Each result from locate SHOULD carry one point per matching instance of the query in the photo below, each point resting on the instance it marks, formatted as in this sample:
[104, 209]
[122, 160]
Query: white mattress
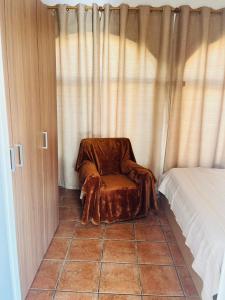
[197, 198]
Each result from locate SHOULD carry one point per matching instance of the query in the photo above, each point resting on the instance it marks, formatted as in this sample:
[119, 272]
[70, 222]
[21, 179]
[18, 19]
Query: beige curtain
[113, 74]
[152, 76]
[196, 135]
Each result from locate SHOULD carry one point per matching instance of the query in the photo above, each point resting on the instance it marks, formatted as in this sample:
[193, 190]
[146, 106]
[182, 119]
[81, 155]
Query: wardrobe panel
[47, 81]
[33, 133]
[14, 89]
[30, 89]
[14, 39]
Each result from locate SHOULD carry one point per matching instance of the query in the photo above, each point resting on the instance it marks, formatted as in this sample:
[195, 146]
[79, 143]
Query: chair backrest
[106, 153]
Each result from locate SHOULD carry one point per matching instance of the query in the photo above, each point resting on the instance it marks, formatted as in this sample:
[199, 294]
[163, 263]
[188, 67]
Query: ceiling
[175, 3]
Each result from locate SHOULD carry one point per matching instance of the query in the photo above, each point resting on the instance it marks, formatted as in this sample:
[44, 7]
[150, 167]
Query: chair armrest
[87, 170]
[90, 181]
[145, 180]
[128, 166]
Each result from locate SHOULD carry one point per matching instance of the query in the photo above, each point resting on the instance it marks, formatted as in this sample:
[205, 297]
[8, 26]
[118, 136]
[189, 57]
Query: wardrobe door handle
[45, 140]
[12, 159]
[20, 155]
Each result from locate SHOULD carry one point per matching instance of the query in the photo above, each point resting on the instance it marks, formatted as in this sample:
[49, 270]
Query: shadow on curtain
[121, 73]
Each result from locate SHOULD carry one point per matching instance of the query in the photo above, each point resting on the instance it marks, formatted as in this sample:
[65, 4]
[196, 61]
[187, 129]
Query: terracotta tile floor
[124, 261]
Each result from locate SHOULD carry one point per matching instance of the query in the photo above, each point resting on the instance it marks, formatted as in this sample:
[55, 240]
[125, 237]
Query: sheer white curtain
[113, 73]
[196, 135]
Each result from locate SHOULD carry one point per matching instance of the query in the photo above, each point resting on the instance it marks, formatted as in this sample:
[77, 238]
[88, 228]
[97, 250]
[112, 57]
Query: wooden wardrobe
[28, 39]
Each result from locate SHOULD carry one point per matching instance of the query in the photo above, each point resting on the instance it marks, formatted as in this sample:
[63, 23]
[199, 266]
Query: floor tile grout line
[36, 274]
[62, 221]
[170, 253]
[183, 290]
[173, 259]
[166, 297]
[120, 293]
[42, 289]
[137, 261]
[113, 262]
[181, 285]
[111, 293]
[102, 252]
[62, 267]
[176, 269]
[100, 274]
[176, 264]
[108, 239]
[64, 261]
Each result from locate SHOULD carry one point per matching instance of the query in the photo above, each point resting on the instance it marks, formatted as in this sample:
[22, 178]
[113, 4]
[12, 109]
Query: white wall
[9, 272]
[174, 3]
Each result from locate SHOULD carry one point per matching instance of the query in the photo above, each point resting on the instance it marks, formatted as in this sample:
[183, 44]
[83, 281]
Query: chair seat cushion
[117, 182]
[119, 198]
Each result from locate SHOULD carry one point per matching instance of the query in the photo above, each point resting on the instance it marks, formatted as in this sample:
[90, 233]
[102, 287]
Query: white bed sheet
[197, 198]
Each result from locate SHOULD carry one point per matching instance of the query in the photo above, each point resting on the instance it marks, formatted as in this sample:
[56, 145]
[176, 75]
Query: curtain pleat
[161, 99]
[105, 108]
[155, 77]
[96, 97]
[196, 134]
[121, 77]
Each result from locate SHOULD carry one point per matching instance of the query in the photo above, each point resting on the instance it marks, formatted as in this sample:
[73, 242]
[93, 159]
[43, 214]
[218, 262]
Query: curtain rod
[101, 8]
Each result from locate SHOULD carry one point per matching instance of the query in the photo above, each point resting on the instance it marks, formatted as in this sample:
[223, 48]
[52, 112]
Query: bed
[197, 198]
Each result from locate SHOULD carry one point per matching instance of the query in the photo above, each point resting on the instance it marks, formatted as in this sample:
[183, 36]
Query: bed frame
[188, 257]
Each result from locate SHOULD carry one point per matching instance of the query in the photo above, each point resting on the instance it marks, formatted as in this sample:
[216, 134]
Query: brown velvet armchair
[114, 187]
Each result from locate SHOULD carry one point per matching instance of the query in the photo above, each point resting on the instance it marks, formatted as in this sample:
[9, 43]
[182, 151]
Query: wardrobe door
[47, 81]
[32, 136]
[24, 108]
[15, 91]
